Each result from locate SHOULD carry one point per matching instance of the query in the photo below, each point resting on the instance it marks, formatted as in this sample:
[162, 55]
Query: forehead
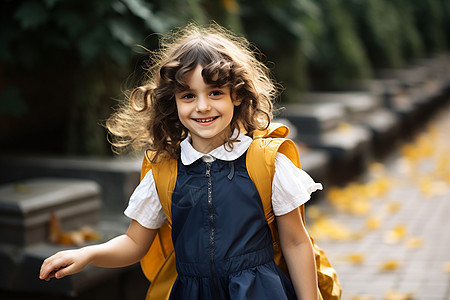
[195, 77]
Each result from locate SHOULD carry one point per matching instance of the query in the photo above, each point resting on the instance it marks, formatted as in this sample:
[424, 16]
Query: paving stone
[421, 270]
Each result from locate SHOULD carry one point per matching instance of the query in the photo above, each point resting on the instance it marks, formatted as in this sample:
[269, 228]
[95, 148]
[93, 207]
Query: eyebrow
[189, 89]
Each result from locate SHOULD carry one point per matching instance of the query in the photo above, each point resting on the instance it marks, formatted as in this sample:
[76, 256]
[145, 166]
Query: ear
[237, 102]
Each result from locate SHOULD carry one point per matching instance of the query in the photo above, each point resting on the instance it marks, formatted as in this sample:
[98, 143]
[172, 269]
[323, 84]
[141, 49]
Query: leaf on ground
[329, 229]
[356, 258]
[390, 265]
[76, 237]
[447, 267]
[373, 223]
[394, 295]
[362, 297]
[394, 207]
[313, 212]
[395, 234]
[414, 242]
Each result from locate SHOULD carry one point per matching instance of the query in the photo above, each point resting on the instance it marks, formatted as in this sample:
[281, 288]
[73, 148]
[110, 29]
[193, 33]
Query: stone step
[117, 177]
[26, 207]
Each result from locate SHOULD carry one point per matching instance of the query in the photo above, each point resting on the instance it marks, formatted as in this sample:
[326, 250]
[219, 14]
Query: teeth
[204, 120]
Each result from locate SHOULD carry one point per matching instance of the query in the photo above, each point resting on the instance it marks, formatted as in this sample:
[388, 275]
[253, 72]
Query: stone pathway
[388, 234]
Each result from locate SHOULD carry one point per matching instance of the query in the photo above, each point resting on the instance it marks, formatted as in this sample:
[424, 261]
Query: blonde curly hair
[148, 118]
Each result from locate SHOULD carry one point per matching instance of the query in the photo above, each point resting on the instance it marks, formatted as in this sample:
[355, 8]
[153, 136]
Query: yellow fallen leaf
[76, 237]
[377, 169]
[89, 233]
[395, 234]
[394, 207]
[447, 266]
[440, 187]
[373, 223]
[381, 186]
[414, 242]
[362, 297]
[344, 126]
[431, 187]
[327, 228]
[410, 152]
[390, 265]
[394, 295]
[313, 212]
[360, 207]
[356, 258]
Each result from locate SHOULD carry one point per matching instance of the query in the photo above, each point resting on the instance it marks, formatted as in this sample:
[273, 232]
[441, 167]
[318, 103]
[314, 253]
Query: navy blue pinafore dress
[223, 245]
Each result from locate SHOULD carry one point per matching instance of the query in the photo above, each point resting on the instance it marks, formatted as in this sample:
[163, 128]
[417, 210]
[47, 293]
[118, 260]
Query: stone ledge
[117, 177]
[25, 208]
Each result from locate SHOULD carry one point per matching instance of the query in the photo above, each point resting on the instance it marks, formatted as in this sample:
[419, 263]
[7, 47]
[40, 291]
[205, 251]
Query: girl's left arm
[299, 254]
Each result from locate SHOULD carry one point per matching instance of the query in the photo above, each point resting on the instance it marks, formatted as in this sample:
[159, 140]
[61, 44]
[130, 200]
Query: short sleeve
[144, 205]
[291, 186]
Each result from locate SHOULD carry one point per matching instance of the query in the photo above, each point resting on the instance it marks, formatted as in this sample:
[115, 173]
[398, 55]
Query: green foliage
[285, 31]
[62, 61]
[410, 40]
[90, 29]
[340, 59]
[31, 15]
[380, 30]
[429, 16]
[445, 6]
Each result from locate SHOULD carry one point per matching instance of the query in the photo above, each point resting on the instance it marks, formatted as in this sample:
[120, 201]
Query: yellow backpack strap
[275, 130]
[165, 175]
[158, 264]
[265, 146]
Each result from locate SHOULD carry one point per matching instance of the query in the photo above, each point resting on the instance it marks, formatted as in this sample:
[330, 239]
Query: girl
[206, 94]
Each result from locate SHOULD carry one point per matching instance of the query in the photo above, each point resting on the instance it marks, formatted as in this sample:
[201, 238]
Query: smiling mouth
[205, 120]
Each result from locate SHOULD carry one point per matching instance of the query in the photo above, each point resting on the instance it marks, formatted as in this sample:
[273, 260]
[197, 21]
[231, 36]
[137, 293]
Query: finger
[50, 266]
[65, 271]
[50, 276]
[60, 273]
[47, 274]
[45, 270]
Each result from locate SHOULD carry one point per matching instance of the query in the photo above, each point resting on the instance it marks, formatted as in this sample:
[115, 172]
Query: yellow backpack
[159, 263]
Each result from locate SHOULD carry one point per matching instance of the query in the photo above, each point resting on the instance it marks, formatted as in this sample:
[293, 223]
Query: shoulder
[266, 149]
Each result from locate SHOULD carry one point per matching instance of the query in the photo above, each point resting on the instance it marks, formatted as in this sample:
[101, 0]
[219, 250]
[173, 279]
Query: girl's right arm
[121, 251]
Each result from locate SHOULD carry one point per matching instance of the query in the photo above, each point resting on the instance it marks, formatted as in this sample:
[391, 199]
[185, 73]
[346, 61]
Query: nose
[203, 104]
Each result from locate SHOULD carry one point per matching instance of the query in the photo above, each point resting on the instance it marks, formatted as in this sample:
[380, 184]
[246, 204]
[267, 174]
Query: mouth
[205, 120]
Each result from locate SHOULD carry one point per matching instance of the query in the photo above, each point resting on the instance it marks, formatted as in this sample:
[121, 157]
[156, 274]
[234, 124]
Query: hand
[64, 263]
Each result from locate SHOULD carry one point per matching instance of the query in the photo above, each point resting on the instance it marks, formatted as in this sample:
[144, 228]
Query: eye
[216, 93]
[188, 96]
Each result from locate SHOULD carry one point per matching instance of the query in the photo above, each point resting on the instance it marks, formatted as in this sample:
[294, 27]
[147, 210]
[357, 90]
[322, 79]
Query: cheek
[183, 113]
[230, 108]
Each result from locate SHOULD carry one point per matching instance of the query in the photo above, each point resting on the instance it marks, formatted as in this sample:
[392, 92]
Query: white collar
[190, 155]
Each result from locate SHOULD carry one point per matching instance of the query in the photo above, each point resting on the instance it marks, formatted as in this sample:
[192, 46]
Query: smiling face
[206, 111]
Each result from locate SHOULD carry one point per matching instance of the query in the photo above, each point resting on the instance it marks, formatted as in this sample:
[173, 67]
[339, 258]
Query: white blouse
[291, 186]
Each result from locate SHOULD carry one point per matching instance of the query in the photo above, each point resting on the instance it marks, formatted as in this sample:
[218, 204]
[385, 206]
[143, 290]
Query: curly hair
[148, 118]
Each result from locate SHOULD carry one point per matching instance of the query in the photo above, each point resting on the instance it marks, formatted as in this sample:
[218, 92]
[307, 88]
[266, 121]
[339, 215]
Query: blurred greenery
[62, 62]
[340, 58]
